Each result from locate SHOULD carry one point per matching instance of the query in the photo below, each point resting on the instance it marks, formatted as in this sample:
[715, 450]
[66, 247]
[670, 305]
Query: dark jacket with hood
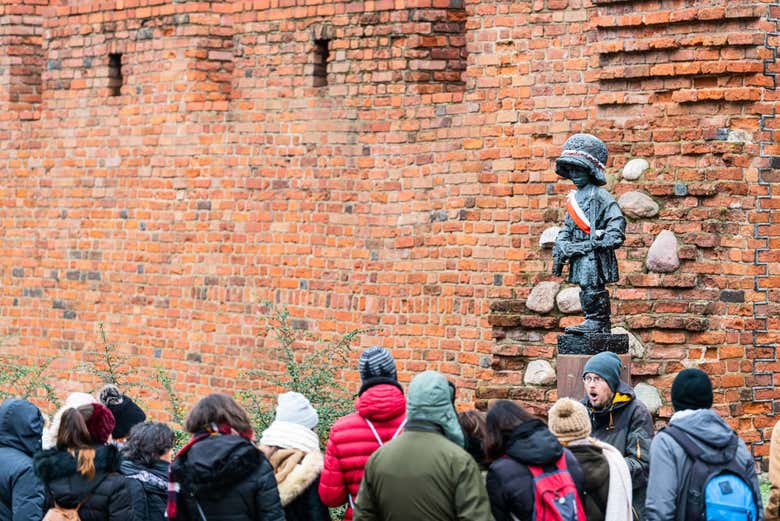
[21, 492]
[628, 426]
[229, 478]
[65, 486]
[148, 489]
[510, 484]
[672, 467]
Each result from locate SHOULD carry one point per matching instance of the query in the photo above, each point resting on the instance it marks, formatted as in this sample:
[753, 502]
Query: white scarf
[288, 435]
[620, 487]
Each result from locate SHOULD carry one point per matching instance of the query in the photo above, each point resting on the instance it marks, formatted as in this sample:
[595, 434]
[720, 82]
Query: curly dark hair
[148, 441]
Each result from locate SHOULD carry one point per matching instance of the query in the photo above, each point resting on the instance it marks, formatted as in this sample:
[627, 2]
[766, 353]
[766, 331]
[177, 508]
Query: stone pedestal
[575, 350]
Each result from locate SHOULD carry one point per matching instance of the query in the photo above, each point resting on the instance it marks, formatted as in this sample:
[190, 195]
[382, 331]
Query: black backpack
[718, 487]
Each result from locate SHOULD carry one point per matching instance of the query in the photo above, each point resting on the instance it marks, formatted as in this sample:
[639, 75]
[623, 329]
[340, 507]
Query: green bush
[22, 381]
[312, 371]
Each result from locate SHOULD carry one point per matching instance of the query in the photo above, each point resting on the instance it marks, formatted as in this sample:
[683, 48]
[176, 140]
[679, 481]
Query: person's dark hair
[146, 442]
[217, 409]
[502, 418]
[473, 423]
[74, 436]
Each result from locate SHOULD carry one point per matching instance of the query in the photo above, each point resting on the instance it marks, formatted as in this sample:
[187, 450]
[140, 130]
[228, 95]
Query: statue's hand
[580, 249]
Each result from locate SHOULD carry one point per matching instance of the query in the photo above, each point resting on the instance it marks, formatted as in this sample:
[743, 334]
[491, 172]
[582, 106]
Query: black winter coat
[510, 484]
[110, 501]
[229, 478]
[307, 506]
[148, 489]
[21, 492]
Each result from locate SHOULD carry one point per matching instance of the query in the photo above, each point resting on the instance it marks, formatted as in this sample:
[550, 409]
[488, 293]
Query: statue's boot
[595, 305]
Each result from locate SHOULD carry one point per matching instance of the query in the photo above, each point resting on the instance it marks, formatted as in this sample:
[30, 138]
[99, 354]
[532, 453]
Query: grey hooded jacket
[670, 466]
[22, 494]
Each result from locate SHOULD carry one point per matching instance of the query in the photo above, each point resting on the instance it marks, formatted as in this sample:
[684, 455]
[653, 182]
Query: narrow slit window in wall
[115, 78]
[321, 54]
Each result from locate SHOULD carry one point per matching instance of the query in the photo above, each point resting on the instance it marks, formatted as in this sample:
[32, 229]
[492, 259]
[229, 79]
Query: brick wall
[383, 164]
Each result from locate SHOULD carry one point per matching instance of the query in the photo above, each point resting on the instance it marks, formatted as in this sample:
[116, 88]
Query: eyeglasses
[592, 379]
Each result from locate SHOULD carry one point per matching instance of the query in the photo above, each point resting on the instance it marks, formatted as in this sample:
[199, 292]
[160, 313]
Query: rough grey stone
[539, 372]
[662, 257]
[635, 347]
[638, 205]
[542, 297]
[739, 136]
[568, 300]
[547, 240]
[649, 396]
[635, 168]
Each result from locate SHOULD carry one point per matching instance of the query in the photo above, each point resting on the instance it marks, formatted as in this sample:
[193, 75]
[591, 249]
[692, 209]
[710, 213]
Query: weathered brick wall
[402, 184]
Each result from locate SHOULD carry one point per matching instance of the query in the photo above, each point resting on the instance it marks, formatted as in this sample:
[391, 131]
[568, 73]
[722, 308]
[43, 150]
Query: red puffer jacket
[352, 442]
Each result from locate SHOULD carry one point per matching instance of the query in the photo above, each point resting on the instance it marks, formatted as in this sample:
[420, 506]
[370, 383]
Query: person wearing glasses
[620, 419]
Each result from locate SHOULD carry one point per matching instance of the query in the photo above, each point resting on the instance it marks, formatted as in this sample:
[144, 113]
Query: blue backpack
[717, 488]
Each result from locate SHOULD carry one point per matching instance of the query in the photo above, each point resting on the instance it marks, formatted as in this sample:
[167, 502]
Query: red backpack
[556, 497]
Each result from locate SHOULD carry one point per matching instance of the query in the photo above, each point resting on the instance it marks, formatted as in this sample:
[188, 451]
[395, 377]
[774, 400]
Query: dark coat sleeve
[638, 440]
[28, 497]
[471, 500]
[267, 503]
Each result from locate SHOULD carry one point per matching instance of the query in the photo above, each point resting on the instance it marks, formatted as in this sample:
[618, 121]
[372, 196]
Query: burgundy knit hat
[100, 423]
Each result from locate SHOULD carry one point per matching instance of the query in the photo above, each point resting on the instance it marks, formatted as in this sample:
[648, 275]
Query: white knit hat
[74, 400]
[295, 408]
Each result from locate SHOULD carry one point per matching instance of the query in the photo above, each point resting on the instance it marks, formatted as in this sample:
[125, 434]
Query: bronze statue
[593, 229]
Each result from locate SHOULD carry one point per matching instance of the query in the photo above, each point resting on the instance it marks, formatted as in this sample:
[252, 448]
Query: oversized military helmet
[587, 151]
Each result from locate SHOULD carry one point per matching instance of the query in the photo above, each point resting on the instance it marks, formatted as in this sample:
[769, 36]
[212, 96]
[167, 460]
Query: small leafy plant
[108, 364]
[23, 381]
[312, 372]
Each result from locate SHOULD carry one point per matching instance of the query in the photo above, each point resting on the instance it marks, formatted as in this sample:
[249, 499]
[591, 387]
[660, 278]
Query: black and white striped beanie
[375, 362]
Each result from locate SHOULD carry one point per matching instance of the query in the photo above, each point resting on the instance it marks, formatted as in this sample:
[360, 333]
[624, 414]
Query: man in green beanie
[618, 418]
[424, 474]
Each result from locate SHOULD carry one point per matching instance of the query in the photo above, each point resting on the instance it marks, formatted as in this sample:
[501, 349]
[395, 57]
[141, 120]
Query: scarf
[288, 435]
[173, 485]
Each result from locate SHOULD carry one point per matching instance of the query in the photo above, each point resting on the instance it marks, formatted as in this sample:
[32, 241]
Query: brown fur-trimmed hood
[295, 471]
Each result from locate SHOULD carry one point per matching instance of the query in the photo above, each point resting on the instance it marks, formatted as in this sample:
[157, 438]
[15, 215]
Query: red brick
[408, 193]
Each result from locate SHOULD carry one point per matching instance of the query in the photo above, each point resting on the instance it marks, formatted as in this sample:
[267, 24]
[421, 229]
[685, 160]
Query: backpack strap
[376, 434]
[691, 500]
[683, 440]
[560, 464]
[350, 499]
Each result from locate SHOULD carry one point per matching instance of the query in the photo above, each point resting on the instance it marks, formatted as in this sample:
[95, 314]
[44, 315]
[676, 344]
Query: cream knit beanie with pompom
[569, 421]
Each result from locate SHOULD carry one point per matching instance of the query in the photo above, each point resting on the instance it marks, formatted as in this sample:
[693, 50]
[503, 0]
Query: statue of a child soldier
[593, 229]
